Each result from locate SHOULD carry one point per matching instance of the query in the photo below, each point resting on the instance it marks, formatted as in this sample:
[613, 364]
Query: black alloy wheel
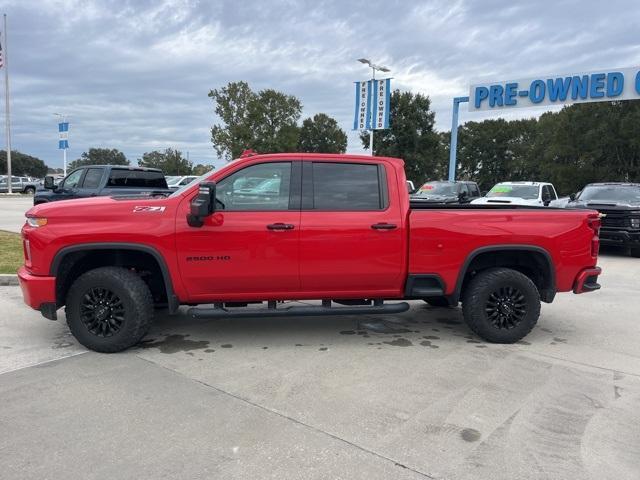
[506, 307]
[102, 312]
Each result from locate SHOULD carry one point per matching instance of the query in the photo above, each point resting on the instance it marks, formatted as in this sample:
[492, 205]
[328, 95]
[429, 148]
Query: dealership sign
[372, 104]
[599, 86]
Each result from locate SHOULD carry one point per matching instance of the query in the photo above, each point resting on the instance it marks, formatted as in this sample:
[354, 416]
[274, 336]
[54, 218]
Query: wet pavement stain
[481, 346]
[547, 330]
[226, 345]
[427, 343]
[473, 341]
[448, 321]
[175, 343]
[400, 342]
[431, 337]
[385, 327]
[559, 340]
[470, 435]
[209, 350]
[323, 349]
[347, 332]
[522, 342]
[264, 348]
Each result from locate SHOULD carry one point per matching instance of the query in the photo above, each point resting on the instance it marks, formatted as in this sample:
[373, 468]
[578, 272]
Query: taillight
[594, 223]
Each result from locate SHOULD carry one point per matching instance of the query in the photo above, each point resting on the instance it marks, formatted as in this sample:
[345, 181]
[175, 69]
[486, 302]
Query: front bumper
[587, 280]
[621, 238]
[38, 292]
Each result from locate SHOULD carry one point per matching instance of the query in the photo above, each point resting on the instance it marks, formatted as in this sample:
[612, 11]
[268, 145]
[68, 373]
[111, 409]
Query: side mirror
[572, 197]
[203, 204]
[49, 184]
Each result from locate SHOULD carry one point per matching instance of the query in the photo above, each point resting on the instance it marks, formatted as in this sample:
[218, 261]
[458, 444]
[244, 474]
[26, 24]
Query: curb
[8, 280]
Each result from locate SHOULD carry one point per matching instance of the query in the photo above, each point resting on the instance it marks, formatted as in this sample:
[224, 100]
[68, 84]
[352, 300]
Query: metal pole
[371, 110]
[7, 107]
[454, 137]
[64, 162]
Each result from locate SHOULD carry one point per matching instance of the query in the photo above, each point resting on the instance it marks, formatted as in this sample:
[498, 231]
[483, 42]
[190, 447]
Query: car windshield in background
[526, 192]
[136, 179]
[436, 188]
[611, 193]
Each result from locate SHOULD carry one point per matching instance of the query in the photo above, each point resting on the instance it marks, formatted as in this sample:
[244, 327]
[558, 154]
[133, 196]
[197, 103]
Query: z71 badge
[148, 209]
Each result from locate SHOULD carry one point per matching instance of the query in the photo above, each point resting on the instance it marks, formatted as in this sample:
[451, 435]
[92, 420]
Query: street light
[374, 67]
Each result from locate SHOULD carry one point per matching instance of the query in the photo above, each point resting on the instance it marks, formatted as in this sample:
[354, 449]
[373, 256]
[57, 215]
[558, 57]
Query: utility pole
[7, 108]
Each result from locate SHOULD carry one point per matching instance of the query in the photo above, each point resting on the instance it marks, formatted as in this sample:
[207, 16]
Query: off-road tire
[30, 191]
[135, 308]
[437, 301]
[478, 305]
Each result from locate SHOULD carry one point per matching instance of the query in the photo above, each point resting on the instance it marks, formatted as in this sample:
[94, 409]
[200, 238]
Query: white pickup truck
[520, 193]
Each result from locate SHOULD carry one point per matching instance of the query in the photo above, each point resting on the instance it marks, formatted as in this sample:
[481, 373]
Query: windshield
[611, 193]
[526, 192]
[437, 188]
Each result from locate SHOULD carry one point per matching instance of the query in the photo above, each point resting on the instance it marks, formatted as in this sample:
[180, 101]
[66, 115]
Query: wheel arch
[69, 257]
[524, 258]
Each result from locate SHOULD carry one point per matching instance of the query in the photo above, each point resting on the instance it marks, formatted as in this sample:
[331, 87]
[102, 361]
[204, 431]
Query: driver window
[73, 179]
[258, 187]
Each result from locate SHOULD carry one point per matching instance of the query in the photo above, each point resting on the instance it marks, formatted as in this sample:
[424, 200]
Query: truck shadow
[422, 326]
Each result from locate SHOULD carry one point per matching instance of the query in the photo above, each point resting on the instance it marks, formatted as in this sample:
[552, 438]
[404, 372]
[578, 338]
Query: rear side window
[473, 189]
[136, 179]
[92, 178]
[347, 186]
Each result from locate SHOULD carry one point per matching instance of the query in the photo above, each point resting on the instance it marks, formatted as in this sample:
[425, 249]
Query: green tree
[411, 136]
[201, 169]
[265, 121]
[22, 164]
[171, 162]
[100, 156]
[322, 134]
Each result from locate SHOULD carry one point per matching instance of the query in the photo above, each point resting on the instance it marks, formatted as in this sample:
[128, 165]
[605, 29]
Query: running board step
[296, 311]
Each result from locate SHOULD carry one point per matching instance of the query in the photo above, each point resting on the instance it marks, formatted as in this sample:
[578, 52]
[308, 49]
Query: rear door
[249, 248]
[351, 240]
[91, 182]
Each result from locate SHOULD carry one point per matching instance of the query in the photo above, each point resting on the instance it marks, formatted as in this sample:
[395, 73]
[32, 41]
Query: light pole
[374, 67]
[63, 119]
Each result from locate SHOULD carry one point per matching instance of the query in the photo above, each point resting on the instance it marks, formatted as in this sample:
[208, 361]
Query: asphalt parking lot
[415, 395]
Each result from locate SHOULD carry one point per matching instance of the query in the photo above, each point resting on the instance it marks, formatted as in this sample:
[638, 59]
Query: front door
[249, 248]
[352, 239]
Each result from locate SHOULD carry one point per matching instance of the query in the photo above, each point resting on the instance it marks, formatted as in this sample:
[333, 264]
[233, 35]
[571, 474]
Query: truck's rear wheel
[109, 309]
[501, 305]
[30, 190]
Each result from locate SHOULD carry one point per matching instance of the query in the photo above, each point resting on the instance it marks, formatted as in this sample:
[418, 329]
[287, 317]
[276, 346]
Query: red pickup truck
[271, 228]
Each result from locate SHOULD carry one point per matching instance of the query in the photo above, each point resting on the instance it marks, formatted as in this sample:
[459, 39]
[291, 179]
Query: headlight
[36, 221]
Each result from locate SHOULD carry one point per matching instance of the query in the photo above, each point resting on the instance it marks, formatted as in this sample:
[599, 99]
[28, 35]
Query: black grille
[615, 219]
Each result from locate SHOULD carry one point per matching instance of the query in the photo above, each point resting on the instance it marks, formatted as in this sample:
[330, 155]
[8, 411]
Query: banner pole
[7, 108]
[371, 109]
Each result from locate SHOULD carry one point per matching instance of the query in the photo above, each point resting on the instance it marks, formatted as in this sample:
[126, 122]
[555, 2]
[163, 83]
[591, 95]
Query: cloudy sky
[134, 75]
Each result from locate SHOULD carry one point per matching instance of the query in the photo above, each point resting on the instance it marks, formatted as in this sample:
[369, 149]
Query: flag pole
[7, 108]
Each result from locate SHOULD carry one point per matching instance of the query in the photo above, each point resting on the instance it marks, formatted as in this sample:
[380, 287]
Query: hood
[432, 198]
[603, 205]
[83, 209]
[504, 201]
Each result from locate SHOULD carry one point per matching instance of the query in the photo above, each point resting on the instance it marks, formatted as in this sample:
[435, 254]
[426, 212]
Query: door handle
[280, 226]
[383, 226]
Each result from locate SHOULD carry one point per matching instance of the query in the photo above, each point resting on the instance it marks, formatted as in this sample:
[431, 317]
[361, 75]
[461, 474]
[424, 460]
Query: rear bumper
[38, 292]
[587, 280]
[619, 237]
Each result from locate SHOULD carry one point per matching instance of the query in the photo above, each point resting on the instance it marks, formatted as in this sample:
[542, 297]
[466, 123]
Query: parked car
[620, 204]
[18, 185]
[519, 193]
[336, 228]
[103, 180]
[447, 192]
[180, 181]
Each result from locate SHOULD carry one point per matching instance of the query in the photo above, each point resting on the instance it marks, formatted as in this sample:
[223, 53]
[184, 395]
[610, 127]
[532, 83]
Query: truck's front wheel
[109, 309]
[501, 305]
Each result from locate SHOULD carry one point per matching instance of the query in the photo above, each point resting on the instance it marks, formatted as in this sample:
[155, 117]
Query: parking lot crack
[296, 421]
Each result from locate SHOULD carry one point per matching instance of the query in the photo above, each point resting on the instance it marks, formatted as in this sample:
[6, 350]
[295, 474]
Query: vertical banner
[63, 135]
[362, 114]
[381, 104]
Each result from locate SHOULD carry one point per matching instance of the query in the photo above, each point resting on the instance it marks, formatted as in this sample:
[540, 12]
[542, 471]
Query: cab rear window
[136, 179]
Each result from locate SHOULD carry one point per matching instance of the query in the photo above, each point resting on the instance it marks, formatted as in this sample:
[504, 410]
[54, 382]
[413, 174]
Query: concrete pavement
[12, 210]
[415, 395]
